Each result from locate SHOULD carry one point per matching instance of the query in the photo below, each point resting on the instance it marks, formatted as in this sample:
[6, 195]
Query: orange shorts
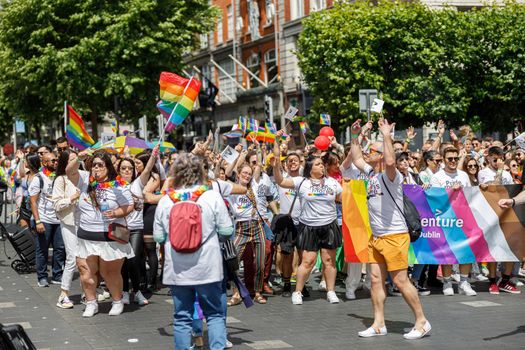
[391, 250]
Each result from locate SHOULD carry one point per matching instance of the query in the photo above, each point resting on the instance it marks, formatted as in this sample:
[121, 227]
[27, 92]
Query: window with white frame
[226, 84]
[219, 31]
[203, 38]
[270, 65]
[230, 22]
[296, 9]
[317, 5]
[254, 65]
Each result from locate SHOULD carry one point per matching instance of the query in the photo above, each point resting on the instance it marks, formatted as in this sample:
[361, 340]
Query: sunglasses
[452, 159]
[62, 149]
[514, 165]
[53, 160]
[437, 160]
[99, 165]
[472, 166]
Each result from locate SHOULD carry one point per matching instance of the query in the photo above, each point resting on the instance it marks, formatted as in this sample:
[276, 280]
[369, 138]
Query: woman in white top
[318, 228]
[65, 197]
[104, 200]
[133, 267]
[200, 272]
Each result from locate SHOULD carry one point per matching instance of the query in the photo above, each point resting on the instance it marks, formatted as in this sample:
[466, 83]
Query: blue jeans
[212, 299]
[51, 236]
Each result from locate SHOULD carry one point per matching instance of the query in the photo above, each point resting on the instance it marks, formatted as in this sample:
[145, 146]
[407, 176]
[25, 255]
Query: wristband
[408, 140]
[500, 171]
[38, 221]
[513, 202]
[354, 136]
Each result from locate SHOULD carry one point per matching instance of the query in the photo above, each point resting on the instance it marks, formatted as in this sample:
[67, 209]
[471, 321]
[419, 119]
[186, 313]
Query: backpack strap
[295, 197]
[384, 183]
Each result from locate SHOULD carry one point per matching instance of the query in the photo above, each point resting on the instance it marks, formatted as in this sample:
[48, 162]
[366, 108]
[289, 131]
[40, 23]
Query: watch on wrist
[38, 221]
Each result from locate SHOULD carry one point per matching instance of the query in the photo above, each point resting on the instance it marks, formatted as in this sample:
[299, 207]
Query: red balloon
[326, 131]
[322, 143]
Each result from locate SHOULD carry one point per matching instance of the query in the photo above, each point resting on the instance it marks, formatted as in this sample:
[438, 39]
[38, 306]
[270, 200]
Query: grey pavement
[459, 322]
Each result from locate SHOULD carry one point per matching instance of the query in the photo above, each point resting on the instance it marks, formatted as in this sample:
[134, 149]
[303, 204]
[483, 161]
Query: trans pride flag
[76, 133]
[177, 96]
[462, 226]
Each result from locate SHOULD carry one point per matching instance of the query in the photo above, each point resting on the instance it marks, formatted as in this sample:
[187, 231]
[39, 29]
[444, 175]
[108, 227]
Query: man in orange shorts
[388, 247]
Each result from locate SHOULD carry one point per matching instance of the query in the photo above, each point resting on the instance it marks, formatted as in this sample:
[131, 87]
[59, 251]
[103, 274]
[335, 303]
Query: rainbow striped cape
[76, 133]
[459, 227]
[177, 96]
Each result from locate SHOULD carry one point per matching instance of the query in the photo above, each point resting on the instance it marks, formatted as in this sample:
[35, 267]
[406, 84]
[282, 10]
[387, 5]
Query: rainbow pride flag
[242, 124]
[253, 125]
[304, 127]
[270, 128]
[324, 119]
[177, 96]
[76, 133]
[459, 227]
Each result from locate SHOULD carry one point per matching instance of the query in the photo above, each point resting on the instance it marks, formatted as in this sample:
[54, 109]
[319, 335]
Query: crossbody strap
[295, 197]
[384, 183]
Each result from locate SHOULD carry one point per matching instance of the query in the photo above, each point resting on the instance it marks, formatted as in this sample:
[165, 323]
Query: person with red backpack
[189, 219]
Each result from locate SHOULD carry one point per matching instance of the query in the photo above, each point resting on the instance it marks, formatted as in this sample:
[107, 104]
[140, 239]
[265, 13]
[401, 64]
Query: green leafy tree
[99, 55]
[429, 64]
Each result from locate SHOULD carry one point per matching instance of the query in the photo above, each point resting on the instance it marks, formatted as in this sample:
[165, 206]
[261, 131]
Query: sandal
[260, 299]
[234, 301]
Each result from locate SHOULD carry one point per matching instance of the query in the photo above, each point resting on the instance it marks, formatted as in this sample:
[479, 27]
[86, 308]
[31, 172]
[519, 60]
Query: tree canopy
[98, 55]
[429, 64]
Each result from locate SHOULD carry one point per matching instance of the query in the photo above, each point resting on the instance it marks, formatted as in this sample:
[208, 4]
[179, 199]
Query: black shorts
[313, 238]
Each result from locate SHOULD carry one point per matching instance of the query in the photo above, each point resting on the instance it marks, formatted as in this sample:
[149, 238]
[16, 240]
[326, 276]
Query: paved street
[459, 322]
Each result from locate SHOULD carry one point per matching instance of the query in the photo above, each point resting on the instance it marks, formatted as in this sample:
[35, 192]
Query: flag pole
[161, 138]
[65, 117]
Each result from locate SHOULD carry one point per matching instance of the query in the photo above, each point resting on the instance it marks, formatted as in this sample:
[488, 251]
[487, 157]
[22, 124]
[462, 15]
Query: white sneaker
[103, 296]
[417, 334]
[371, 332]
[484, 271]
[117, 307]
[64, 302]
[332, 297]
[522, 272]
[456, 277]
[465, 289]
[516, 282]
[297, 298]
[91, 308]
[447, 289]
[322, 286]
[228, 344]
[481, 278]
[350, 295]
[125, 298]
[141, 299]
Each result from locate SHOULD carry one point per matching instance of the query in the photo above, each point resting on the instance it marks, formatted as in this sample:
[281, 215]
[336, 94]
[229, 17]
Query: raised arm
[355, 149]
[144, 176]
[441, 131]
[277, 173]
[388, 148]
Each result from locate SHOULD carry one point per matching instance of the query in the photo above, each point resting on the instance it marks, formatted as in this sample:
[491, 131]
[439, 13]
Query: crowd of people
[82, 202]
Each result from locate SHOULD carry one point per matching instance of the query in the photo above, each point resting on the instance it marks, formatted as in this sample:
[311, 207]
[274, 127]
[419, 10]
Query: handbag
[410, 213]
[118, 233]
[229, 256]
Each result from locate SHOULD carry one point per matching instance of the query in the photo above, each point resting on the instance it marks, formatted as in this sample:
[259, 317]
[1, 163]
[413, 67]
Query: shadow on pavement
[520, 329]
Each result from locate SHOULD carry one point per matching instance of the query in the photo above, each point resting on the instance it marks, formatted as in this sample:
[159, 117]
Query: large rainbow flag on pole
[177, 96]
[459, 226]
[76, 133]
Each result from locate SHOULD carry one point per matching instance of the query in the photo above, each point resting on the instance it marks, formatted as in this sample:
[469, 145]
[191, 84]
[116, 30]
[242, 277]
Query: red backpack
[186, 222]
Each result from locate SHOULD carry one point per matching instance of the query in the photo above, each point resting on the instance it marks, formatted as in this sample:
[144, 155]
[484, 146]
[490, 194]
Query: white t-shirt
[242, 208]
[353, 172]
[385, 216]
[135, 219]
[317, 200]
[426, 175]
[286, 197]
[262, 190]
[487, 175]
[449, 180]
[46, 211]
[205, 265]
[91, 218]
[225, 188]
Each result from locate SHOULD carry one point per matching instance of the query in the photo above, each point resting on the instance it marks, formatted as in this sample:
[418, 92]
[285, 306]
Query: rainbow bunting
[182, 93]
[304, 127]
[324, 119]
[459, 226]
[76, 132]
